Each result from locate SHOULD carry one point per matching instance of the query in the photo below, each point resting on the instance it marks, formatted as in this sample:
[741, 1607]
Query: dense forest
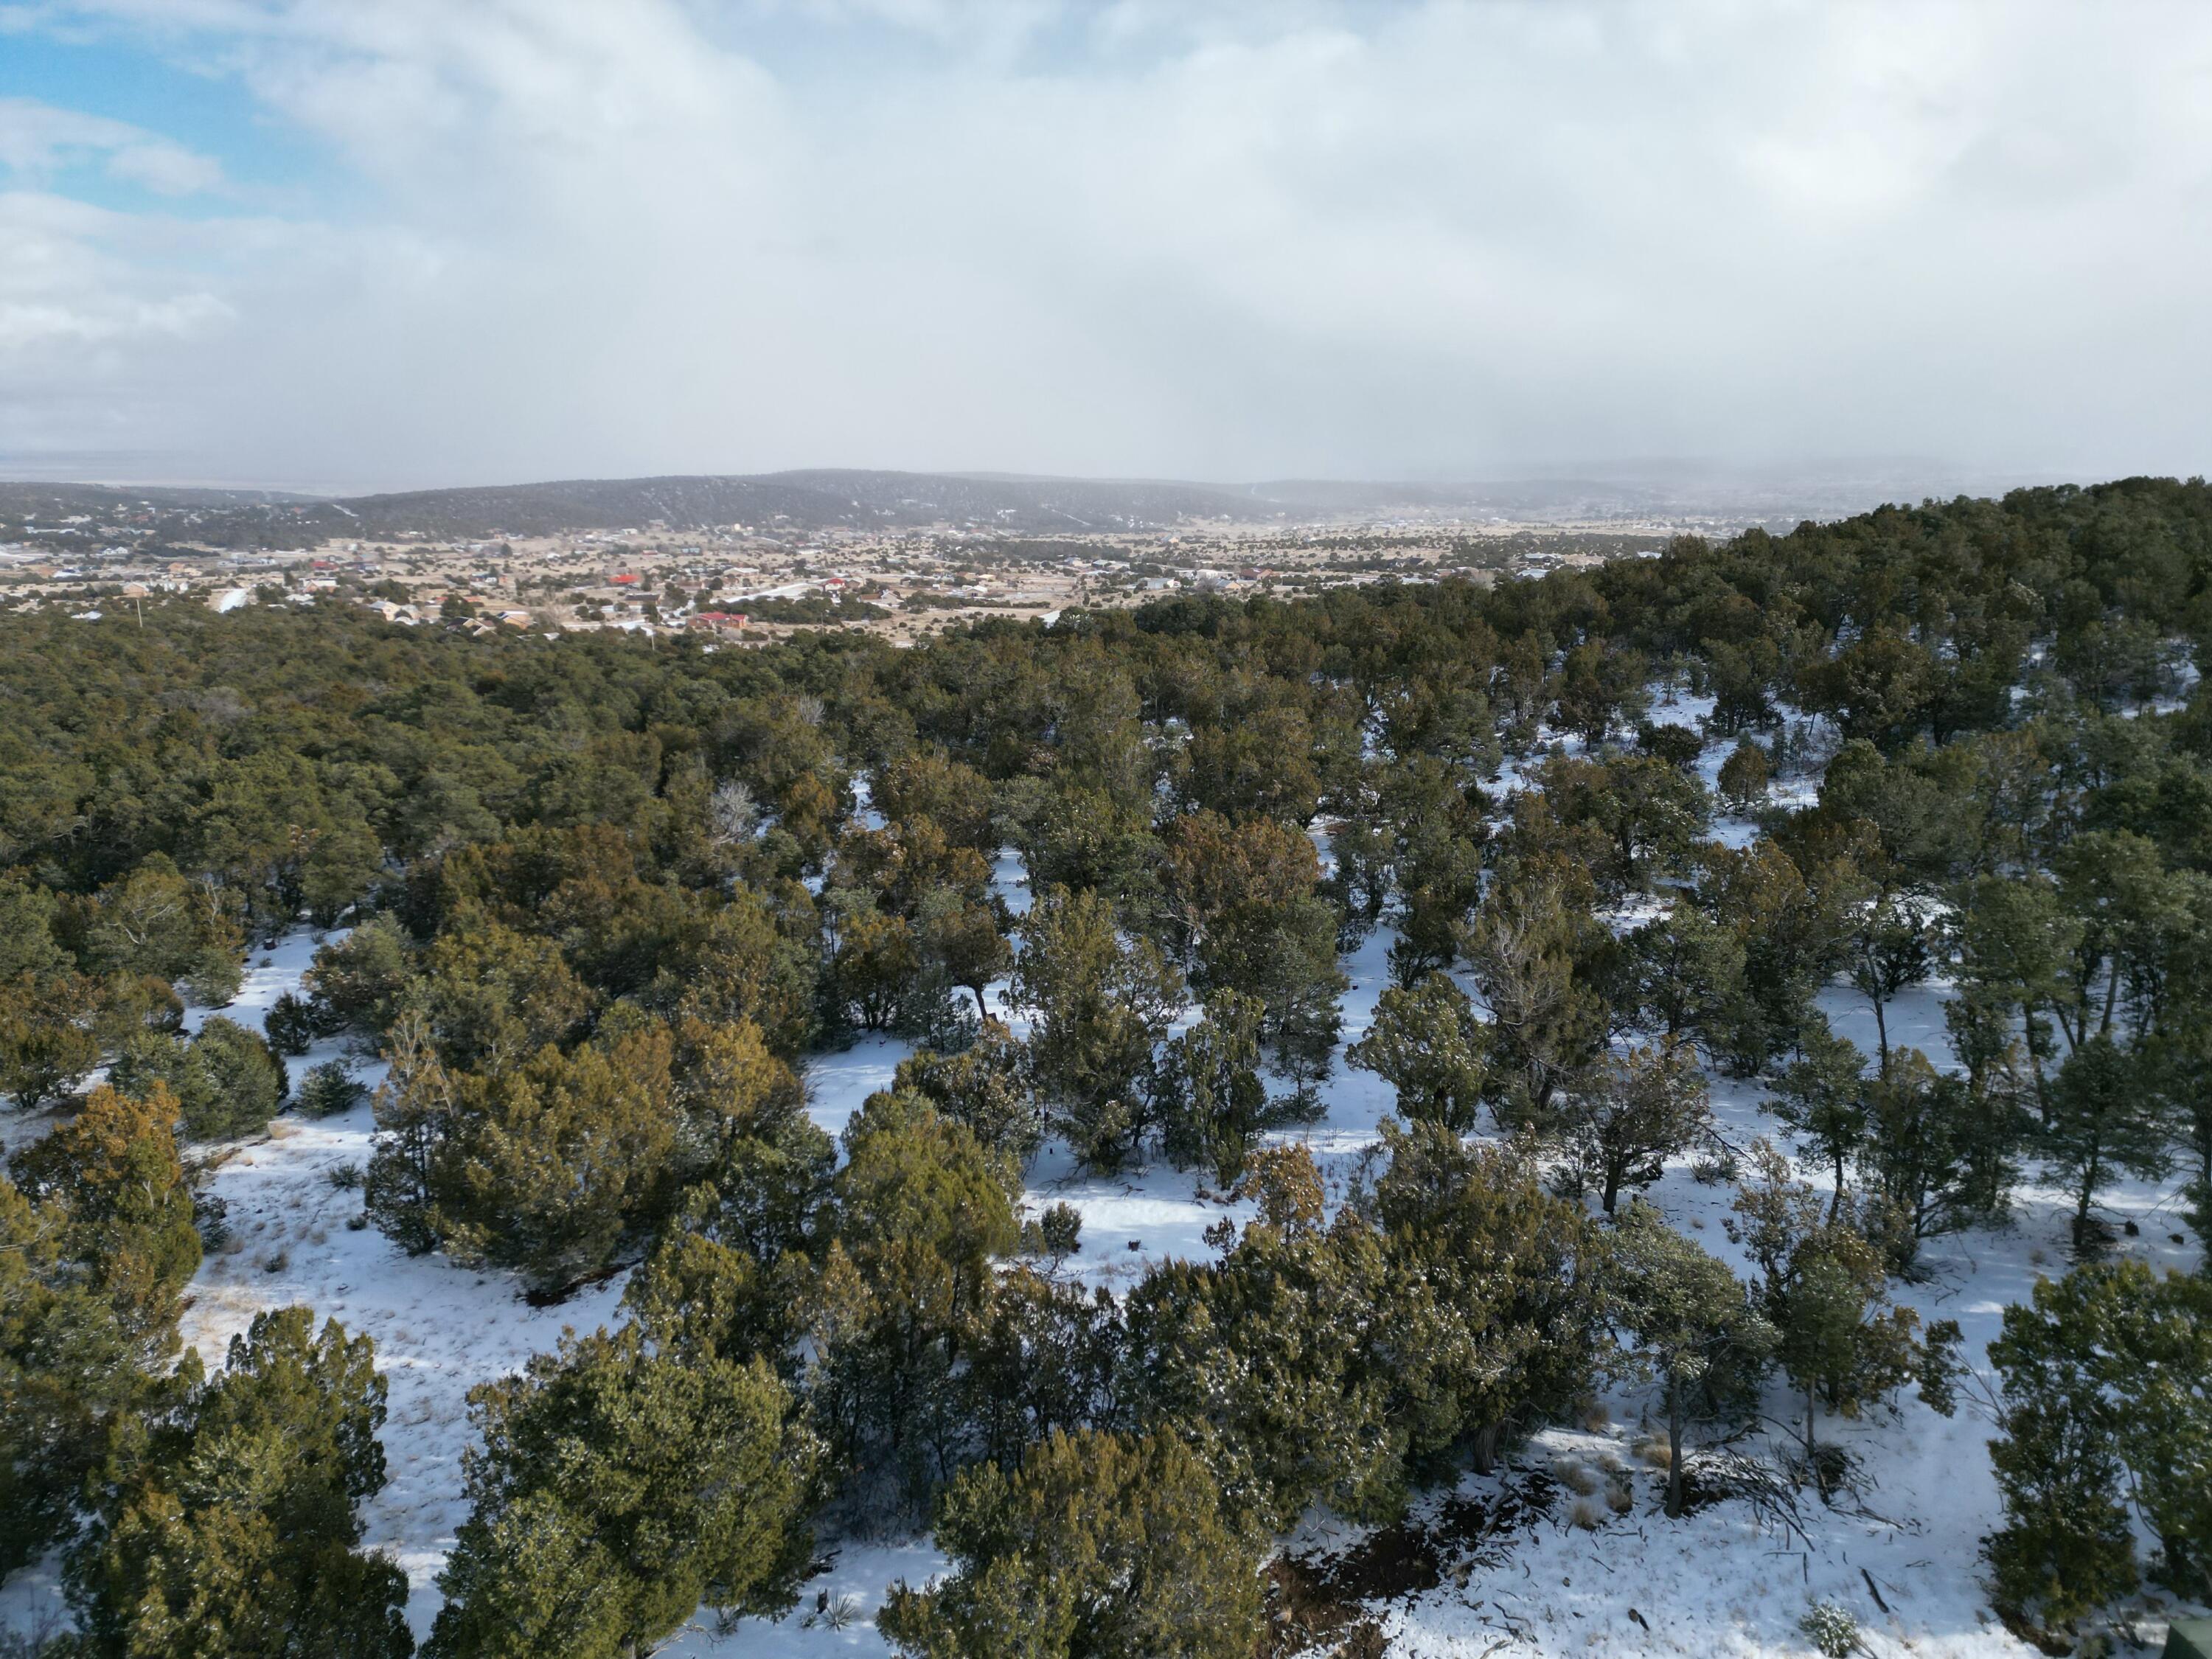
[598, 900]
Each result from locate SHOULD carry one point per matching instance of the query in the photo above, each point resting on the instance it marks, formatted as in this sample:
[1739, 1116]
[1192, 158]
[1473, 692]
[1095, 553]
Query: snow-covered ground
[1714, 1582]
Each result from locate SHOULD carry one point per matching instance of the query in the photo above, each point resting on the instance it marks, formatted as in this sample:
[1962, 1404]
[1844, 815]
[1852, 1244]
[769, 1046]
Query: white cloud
[36, 140]
[1226, 241]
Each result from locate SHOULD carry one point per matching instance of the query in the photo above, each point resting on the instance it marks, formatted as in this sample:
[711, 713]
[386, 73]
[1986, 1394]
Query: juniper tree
[986, 1086]
[1044, 1359]
[1888, 952]
[1630, 1114]
[1493, 1323]
[2104, 1121]
[1101, 1004]
[1268, 1352]
[1823, 1096]
[922, 1208]
[617, 1489]
[1697, 1335]
[1427, 1041]
[1242, 903]
[1940, 1154]
[1744, 777]
[226, 1080]
[1212, 1104]
[233, 1531]
[1679, 974]
[2066, 1546]
[1099, 1545]
[49, 1042]
[1822, 1285]
[96, 1244]
[1529, 948]
[357, 982]
[155, 920]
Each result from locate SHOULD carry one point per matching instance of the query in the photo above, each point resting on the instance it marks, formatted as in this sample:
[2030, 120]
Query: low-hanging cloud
[1224, 241]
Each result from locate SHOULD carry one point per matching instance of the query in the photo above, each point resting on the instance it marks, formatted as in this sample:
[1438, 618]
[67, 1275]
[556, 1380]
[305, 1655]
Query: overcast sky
[393, 243]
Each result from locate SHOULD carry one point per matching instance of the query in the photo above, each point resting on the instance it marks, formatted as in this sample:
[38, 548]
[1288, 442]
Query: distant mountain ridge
[808, 499]
[822, 498]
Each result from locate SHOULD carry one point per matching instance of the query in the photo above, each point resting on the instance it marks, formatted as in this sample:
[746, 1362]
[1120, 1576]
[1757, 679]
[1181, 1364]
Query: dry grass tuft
[1576, 1479]
[1585, 1515]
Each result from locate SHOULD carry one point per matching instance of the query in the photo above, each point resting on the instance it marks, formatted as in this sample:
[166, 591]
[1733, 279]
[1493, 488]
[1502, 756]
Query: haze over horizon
[396, 245]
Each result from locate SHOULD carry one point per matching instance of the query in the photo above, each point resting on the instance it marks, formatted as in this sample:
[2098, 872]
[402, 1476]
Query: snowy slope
[1716, 1583]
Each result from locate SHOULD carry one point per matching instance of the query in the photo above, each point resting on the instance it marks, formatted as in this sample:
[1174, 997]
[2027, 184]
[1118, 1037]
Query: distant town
[746, 583]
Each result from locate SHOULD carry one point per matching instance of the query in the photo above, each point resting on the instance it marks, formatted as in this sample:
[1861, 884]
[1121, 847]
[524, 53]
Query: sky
[388, 244]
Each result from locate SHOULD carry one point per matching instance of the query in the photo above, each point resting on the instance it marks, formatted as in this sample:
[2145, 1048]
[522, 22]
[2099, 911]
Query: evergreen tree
[1823, 1096]
[986, 1086]
[49, 1042]
[2066, 1546]
[1493, 1324]
[1635, 1111]
[1099, 1546]
[617, 1488]
[1043, 1360]
[557, 1169]
[226, 1080]
[1888, 952]
[1680, 975]
[1212, 1104]
[96, 1244]
[1101, 1004]
[1697, 1334]
[2104, 1121]
[1744, 778]
[1822, 1286]
[494, 996]
[155, 921]
[1940, 1154]
[1532, 947]
[923, 1207]
[233, 1532]
[117, 1188]
[1428, 1043]
[1242, 898]
[1269, 1350]
[357, 982]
